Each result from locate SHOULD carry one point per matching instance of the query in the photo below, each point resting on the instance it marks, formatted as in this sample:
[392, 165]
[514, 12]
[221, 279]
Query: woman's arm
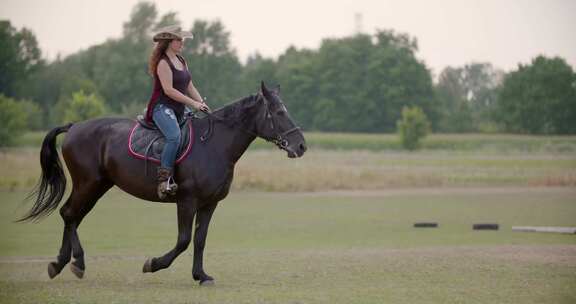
[192, 92]
[191, 89]
[165, 76]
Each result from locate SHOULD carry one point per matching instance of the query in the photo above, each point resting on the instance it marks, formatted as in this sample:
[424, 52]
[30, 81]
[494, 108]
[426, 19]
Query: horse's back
[96, 130]
[84, 140]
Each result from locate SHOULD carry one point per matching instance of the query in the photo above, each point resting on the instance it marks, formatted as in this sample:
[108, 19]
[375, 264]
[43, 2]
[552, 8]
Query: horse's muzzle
[297, 151]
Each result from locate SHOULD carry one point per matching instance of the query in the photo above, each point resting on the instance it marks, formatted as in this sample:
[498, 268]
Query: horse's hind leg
[64, 256]
[81, 201]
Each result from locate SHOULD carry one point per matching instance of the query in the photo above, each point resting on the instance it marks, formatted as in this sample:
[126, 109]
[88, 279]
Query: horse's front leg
[203, 217]
[186, 211]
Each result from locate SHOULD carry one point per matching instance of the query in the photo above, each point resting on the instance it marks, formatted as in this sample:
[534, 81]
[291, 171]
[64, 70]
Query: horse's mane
[233, 111]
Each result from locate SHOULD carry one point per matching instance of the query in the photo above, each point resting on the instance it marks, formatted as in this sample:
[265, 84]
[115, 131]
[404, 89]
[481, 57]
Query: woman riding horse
[173, 90]
[97, 157]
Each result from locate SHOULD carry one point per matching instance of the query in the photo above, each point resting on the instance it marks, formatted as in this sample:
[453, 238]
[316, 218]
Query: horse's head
[274, 124]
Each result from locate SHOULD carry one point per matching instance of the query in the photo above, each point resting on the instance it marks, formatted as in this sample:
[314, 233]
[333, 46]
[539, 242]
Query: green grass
[30, 139]
[319, 170]
[331, 247]
[491, 143]
[324, 247]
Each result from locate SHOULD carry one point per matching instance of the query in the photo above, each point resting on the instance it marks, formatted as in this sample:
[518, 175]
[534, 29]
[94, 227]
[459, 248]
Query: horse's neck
[233, 140]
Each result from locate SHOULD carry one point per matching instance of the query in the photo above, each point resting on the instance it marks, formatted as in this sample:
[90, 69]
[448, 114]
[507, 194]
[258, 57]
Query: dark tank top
[180, 81]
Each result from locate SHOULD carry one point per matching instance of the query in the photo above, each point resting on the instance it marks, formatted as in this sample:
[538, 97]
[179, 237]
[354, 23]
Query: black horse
[97, 158]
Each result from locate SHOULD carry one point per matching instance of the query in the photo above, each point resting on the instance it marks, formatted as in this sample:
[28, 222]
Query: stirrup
[171, 186]
[166, 188]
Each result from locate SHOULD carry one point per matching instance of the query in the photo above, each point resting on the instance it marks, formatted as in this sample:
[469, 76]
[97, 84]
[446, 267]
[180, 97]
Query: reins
[280, 141]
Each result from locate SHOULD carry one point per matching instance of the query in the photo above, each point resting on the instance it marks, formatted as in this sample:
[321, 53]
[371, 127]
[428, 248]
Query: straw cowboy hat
[171, 32]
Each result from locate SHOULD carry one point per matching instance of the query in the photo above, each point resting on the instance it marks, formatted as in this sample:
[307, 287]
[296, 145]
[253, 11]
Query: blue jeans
[167, 122]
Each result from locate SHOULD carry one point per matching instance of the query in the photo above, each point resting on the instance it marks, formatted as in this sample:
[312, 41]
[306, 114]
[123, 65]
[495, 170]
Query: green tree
[466, 96]
[12, 120]
[295, 71]
[34, 115]
[141, 23]
[118, 68]
[82, 107]
[213, 63]
[19, 56]
[119, 71]
[412, 127]
[170, 18]
[539, 98]
[256, 69]
[50, 86]
[357, 83]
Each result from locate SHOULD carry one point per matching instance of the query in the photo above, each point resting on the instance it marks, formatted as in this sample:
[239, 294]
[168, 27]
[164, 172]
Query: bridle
[279, 139]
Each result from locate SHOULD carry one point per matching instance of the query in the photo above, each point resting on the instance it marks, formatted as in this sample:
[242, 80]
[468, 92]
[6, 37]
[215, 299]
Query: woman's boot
[166, 184]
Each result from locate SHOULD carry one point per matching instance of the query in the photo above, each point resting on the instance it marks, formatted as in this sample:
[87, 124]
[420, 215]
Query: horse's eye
[281, 113]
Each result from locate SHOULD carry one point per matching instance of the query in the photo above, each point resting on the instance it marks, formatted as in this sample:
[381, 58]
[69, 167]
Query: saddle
[147, 142]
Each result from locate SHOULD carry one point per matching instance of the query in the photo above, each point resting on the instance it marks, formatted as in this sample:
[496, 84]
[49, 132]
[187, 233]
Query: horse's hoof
[52, 270]
[207, 283]
[147, 266]
[79, 273]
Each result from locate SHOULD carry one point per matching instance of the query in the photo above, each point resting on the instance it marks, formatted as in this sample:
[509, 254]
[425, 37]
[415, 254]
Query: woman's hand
[200, 106]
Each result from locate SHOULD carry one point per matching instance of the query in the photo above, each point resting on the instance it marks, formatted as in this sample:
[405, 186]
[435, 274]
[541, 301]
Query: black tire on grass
[426, 225]
[486, 226]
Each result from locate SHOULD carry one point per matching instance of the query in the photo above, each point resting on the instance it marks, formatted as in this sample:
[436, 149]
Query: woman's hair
[157, 53]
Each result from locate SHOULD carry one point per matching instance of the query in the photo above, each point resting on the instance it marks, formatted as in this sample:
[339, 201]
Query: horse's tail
[52, 184]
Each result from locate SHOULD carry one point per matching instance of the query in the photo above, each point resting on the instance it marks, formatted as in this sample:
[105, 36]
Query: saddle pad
[148, 144]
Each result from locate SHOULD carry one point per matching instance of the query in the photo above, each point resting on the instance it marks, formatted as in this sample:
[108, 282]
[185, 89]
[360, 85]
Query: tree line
[358, 83]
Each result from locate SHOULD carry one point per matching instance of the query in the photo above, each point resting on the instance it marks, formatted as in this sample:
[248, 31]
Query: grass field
[332, 227]
[486, 143]
[320, 170]
[455, 142]
[338, 161]
[322, 247]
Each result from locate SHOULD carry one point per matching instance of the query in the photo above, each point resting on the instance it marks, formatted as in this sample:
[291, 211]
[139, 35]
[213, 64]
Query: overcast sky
[449, 32]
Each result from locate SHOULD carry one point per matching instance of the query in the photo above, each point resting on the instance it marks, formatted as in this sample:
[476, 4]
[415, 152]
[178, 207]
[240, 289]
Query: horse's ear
[266, 92]
[277, 90]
